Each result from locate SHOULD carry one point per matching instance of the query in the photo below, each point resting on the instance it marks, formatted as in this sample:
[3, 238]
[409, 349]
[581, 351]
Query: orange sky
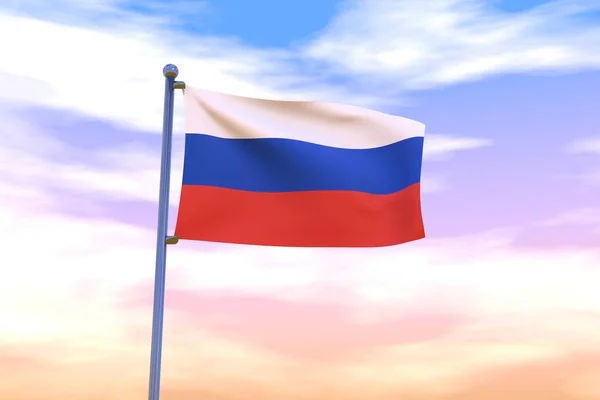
[500, 302]
[443, 330]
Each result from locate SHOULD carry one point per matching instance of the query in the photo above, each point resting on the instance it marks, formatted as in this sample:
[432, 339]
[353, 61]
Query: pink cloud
[321, 330]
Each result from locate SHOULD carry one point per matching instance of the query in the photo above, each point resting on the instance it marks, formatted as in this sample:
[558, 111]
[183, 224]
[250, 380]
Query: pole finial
[170, 70]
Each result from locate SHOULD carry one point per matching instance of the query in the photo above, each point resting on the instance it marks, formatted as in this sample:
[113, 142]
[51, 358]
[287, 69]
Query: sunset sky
[501, 301]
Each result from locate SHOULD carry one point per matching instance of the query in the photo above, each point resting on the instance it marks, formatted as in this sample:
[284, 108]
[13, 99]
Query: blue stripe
[285, 165]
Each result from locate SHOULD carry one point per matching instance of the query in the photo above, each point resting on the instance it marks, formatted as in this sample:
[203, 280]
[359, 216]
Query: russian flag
[299, 174]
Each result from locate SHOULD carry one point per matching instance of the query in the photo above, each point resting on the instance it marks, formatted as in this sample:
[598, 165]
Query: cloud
[79, 304]
[106, 13]
[440, 147]
[51, 158]
[111, 54]
[579, 216]
[114, 72]
[226, 315]
[436, 318]
[85, 250]
[431, 44]
[110, 258]
[36, 160]
[588, 145]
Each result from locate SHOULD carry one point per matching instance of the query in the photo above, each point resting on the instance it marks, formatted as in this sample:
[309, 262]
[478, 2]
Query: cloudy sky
[500, 301]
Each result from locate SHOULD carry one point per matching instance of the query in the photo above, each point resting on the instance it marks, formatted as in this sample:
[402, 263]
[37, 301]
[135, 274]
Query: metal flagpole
[170, 72]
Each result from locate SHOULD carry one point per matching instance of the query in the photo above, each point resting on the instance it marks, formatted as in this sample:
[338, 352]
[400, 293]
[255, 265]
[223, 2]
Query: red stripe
[300, 219]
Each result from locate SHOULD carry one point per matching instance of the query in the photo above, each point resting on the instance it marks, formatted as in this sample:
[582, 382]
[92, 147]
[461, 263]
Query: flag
[299, 174]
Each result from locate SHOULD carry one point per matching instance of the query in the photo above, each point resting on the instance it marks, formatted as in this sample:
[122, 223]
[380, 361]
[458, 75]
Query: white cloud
[103, 75]
[441, 42]
[40, 286]
[69, 287]
[62, 276]
[104, 13]
[34, 159]
[587, 145]
[439, 147]
[38, 161]
[109, 60]
[582, 216]
[115, 72]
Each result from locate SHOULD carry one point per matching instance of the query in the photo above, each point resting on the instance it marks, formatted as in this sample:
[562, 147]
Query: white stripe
[328, 124]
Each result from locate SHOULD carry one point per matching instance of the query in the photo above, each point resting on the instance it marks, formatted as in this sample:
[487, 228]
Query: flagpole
[170, 72]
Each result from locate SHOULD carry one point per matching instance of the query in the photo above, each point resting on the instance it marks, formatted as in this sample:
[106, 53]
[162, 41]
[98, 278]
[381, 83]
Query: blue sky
[504, 87]
[511, 192]
[265, 23]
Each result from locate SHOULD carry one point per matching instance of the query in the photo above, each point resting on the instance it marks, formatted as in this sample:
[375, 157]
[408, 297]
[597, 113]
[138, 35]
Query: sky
[500, 301]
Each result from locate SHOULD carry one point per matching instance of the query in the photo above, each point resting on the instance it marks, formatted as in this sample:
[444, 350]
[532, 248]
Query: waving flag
[300, 174]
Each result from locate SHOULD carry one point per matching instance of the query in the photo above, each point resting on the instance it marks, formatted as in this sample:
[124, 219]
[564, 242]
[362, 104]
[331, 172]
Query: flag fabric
[299, 174]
